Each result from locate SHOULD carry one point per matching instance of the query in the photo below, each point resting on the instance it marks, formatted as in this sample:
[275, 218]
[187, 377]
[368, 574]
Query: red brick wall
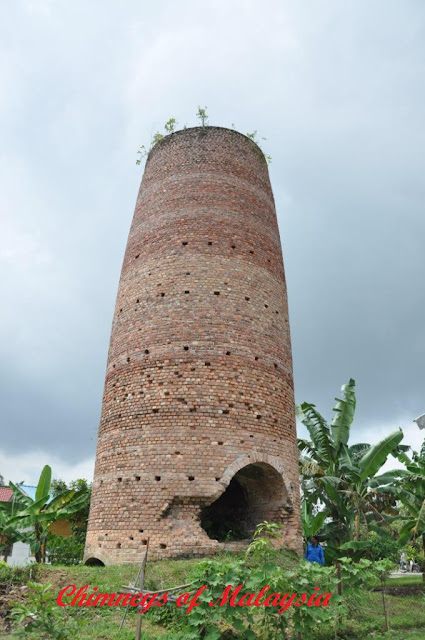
[199, 374]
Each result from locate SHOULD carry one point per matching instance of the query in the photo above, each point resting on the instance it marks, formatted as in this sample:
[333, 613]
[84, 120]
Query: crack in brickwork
[199, 380]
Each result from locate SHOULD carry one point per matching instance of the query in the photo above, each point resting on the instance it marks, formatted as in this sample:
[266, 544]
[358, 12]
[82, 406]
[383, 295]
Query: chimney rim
[205, 129]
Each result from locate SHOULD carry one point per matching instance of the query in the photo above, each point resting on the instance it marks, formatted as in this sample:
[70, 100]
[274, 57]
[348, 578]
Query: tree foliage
[31, 518]
[337, 478]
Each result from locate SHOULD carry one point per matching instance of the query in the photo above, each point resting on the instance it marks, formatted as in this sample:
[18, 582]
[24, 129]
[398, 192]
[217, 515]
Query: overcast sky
[337, 88]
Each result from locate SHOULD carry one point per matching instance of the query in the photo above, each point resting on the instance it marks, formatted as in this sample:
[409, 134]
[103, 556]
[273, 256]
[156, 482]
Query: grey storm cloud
[337, 90]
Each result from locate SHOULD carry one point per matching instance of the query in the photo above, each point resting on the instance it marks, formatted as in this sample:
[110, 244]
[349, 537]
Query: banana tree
[357, 474]
[319, 457]
[33, 517]
[336, 475]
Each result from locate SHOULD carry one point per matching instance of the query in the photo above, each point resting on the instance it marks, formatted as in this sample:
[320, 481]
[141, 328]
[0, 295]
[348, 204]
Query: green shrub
[383, 547]
[67, 551]
[41, 617]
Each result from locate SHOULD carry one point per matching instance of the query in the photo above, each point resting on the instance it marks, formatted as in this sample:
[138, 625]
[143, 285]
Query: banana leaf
[344, 409]
[377, 455]
[43, 486]
[318, 429]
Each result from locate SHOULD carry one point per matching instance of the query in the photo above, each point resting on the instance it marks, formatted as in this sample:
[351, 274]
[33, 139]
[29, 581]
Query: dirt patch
[404, 590]
[57, 578]
[9, 593]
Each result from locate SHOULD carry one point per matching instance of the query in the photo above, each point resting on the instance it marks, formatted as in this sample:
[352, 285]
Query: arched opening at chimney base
[94, 562]
[255, 493]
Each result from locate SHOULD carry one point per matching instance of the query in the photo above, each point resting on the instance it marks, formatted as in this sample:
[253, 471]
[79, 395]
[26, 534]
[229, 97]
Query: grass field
[413, 578]
[406, 612]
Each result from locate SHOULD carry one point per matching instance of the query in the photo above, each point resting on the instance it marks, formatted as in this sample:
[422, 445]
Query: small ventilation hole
[144, 541]
[177, 453]
[191, 478]
[209, 244]
[137, 478]
[118, 545]
[140, 530]
[227, 353]
[186, 292]
[128, 359]
[186, 348]
[251, 436]
[216, 293]
[157, 478]
[154, 410]
[220, 443]
[266, 306]
[208, 364]
[225, 411]
[247, 298]
[233, 246]
[131, 538]
[138, 300]
[184, 243]
[217, 479]
[162, 294]
[188, 273]
[119, 479]
[137, 256]
[251, 252]
[256, 357]
[162, 546]
[146, 351]
[258, 416]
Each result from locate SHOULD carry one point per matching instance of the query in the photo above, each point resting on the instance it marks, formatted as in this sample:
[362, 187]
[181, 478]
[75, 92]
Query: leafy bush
[381, 547]
[67, 551]
[260, 569]
[40, 616]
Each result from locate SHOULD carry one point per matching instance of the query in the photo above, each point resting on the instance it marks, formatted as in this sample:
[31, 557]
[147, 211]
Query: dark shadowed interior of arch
[254, 494]
[94, 562]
